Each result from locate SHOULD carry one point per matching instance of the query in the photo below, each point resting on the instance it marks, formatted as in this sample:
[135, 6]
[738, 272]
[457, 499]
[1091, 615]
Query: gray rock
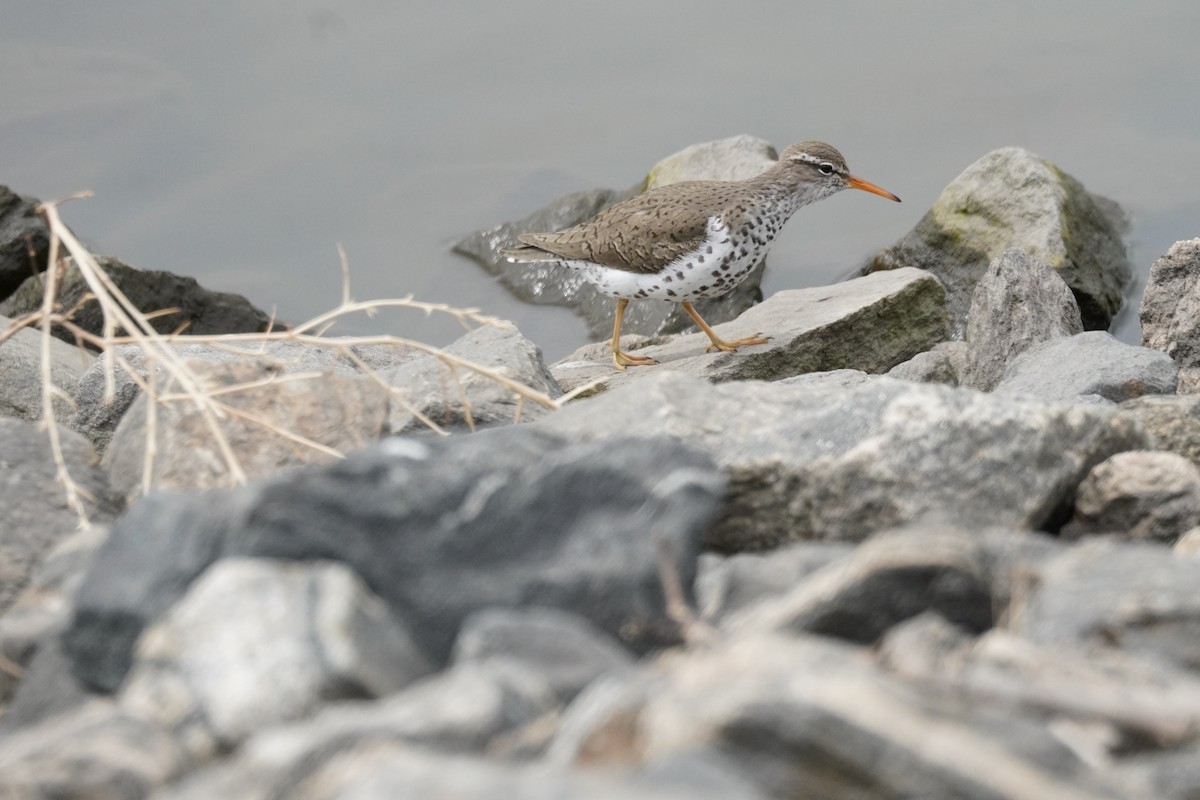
[812, 461]
[36, 511]
[786, 708]
[1170, 422]
[97, 419]
[337, 412]
[738, 156]
[729, 584]
[870, 324]
[256, 642]
[438, 528]
[943, 363]
[24, 240]
[45, 690]
[1017, 303]
[21, 364]
[201, 310]
[1090, 364]
[43, 608]
[429, 385]
[1173, 775]
[95, 751]
[1170, 310]
[563, 649]
[1135, 596]
[1013, 198]
[1140, 494]
[886, 580]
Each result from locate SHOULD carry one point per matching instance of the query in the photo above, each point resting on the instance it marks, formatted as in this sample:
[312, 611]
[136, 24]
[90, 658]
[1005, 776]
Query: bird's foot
[730, 347]
[622, 360]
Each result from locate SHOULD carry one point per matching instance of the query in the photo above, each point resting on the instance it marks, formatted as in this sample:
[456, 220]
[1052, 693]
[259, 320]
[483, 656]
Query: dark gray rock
[805, 716]
[201, 310]
[869, 324]
[24, 240]
[814, 460]
[95, 751]
[338, 413]
[729, 584]
[1090, 364]
[429, 385]
[43, 608]
[884, 581]
[1017, 303]
[97, 419]
[35, 507]
[1170, 422]
[1135, 596]
[256, 642]
[735, 159]
[1140, 494]
[1013, 198]
[563, 649]
[21, 364]
[438, 528]
[1170, 311]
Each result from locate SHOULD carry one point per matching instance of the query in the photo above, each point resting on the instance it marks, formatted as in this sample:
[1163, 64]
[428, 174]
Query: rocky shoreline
[939, 538]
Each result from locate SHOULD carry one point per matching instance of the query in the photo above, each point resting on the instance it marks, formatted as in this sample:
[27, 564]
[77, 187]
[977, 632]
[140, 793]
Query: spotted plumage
[691, 240]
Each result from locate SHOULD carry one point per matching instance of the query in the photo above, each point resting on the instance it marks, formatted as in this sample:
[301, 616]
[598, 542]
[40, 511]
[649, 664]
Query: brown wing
[642, 234]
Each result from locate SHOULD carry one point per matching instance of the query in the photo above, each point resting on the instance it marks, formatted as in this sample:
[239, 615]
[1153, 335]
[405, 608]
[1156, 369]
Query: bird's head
[819, 170]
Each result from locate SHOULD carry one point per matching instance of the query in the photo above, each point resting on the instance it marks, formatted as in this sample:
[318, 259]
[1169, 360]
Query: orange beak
[867, 186]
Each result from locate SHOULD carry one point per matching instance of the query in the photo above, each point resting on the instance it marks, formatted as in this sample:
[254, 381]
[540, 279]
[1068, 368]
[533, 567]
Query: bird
[693, 239]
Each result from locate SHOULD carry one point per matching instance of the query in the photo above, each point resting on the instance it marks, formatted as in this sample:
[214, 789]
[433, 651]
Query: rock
[737, 156]
[387, 770]
[43, 608]
[734, 159]
[24, 240]
[1134, 700]
[256, 642]
[1134, 596]
[36, 512]
[201, 310]
[1013, 198]
[1140, 494]
[943, 363]
[97, 419]
[815, 461]
[45, 690]
[807, 716]
[730, 584]
[1090, 364]
[429, 383]
[337, 413]
[1017, 303]
[1173, 775]
[506, 517]
[1170, 311]
[564, 650]
[21, 364]
[888, 579]
[1170, 422]
[870, 324]
[96, 751]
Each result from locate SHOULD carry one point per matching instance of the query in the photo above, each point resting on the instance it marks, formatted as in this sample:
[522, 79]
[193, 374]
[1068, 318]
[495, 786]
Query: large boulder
[736, 158]
[827, 458]
[1170, 310]
[438, 528]
[1090, 366]
[24, 240]
[1141, 494]
[1013, 198]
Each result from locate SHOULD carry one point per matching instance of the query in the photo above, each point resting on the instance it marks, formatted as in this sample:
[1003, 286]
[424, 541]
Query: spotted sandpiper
[694, 239]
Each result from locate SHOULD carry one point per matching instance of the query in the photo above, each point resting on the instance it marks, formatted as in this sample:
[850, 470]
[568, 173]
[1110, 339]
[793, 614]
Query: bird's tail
[526, 254]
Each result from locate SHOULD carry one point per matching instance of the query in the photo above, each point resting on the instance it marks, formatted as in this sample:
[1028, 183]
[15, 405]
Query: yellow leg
[623, 360]
[717, 342]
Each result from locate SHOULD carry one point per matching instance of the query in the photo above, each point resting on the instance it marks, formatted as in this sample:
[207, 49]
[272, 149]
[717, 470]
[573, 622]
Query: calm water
[239, 142]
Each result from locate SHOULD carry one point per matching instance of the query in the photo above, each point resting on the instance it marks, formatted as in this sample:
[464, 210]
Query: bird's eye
[826, 168]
